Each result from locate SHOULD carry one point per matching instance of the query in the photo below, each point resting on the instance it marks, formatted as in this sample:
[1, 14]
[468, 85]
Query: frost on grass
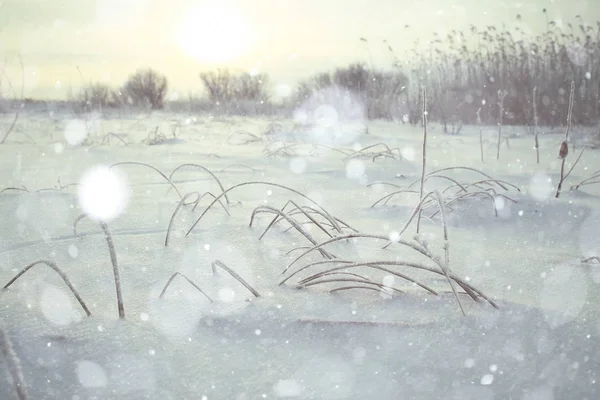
[103, 193]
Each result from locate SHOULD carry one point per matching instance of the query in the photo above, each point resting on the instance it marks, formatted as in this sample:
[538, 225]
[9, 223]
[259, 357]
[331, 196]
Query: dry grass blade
[231, 272]
[339, 289]
[303, 211]
[205, 170]
[13, 365]
[151, 167]
[362, 152]
[11, 127]
[454, 181]
[499, 182]
[16, 189]
[333, 222]
[113, 260]
[314, 278]
[304, 281]
[191, 282]
[245, 138]
[414, 246]
[179, 205]
[384, 184]
[246, 184]
[591, 260]
[388, 196]
[474, 170]
[446, 265]
[382, 287]
[473, 292]
[470, 194]
[575, 163]
[17, 113]
[290, 220]
[369, 264]
[60, 273]
[238, 165]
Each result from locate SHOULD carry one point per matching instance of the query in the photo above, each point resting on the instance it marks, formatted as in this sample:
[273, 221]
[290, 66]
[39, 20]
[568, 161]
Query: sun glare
[215, 33]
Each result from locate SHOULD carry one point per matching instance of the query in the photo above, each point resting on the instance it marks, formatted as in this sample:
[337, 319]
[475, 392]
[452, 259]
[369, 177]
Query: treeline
[466, 74]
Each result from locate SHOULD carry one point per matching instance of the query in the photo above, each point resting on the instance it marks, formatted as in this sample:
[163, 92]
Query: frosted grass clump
[75, 132]
[103, 193]
[90, 374]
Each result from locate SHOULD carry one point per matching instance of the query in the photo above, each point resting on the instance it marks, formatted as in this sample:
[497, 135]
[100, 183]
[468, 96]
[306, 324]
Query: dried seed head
[564, 150]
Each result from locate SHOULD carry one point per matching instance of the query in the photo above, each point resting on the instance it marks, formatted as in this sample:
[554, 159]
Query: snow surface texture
[541, 344]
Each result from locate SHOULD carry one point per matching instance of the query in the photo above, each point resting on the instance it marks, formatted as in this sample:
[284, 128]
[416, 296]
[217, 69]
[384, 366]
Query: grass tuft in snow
[246, 184]
[191, 282]
[231, 272]
[168, 179]
[198, 166]
[113, 259]
[60, 273]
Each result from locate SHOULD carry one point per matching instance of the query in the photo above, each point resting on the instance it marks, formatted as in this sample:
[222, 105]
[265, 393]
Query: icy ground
[542, 343]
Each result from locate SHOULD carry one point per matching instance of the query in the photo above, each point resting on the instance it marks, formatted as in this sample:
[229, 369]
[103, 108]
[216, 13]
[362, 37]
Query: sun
[216, 33]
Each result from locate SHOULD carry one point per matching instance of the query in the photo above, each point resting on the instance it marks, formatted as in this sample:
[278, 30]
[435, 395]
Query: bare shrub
[242, 92]
[94, 96]
[146, 88]
[380, 92]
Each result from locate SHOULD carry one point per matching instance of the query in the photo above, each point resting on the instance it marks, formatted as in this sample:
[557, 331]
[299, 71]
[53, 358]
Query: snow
[543, 342]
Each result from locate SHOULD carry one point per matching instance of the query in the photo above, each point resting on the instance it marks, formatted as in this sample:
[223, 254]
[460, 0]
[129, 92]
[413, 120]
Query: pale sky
[289, 40]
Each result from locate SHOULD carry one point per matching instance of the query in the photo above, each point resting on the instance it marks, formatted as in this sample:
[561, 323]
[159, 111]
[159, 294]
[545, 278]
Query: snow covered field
[541, 343]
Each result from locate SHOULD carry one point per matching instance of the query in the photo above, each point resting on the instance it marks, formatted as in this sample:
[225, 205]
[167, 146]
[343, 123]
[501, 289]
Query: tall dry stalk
[424, 158]
[18, 112]
[480, 133]
[564, 147]
[501, 95]
[536, 143]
